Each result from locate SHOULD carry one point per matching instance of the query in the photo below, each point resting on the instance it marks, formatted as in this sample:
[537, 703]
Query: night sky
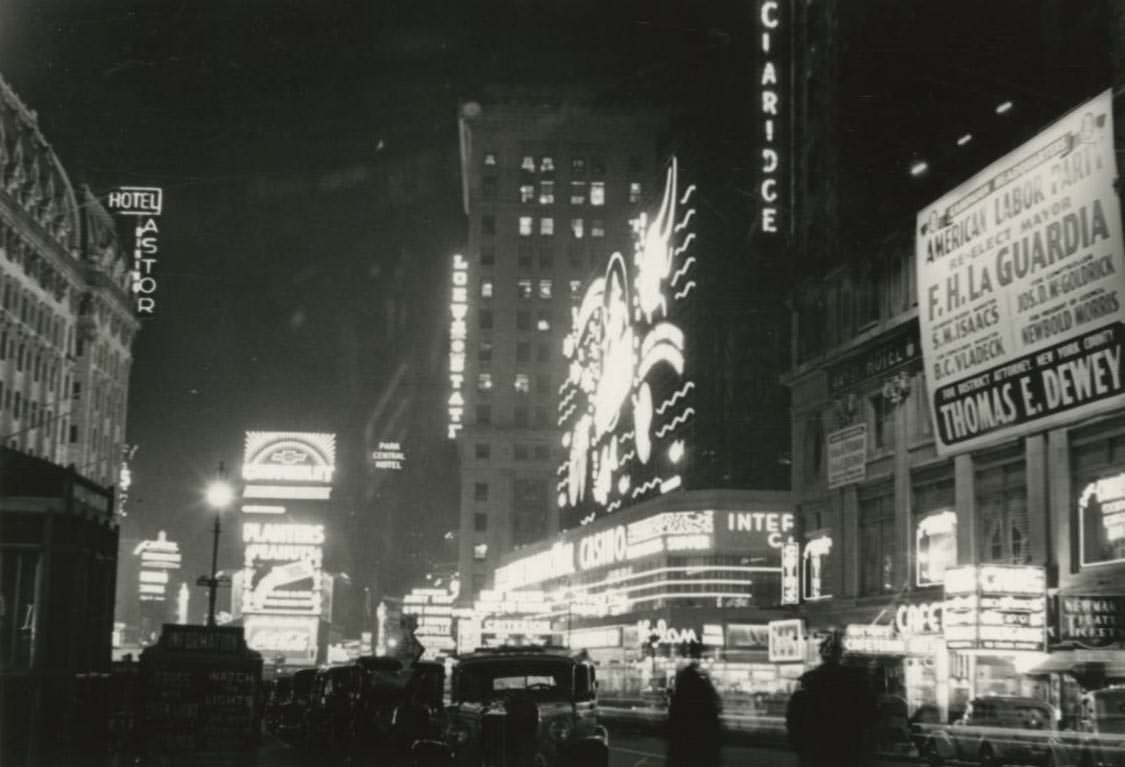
[308, 153]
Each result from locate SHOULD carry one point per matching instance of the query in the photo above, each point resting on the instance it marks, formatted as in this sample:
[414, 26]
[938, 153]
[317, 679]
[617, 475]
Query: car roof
[1016, 699]
[517, 653]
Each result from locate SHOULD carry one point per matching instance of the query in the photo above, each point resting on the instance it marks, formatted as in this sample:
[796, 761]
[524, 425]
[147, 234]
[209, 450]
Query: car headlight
[559, 730]
[457, 733]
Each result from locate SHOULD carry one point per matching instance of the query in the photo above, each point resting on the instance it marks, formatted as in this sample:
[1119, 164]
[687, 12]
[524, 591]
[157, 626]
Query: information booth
[200, 698]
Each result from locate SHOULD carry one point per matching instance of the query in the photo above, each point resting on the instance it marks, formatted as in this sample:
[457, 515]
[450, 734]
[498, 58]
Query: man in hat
[831, 714]
[693, 716]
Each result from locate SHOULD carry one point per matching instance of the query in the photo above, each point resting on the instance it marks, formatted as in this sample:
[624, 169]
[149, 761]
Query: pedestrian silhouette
[694, 730]
[831, 714]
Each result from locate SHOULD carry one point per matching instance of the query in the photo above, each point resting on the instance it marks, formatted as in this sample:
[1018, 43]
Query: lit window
[543, 322]
[523, 383]
[484, 381]
[578, 165]
[524, 288]
[486, 288]
[525, 226]
[546, 192]
[635, 191]
[546, 226]
[576, 288]
[597, 193]
[597, 228]
[489, 158]
[480, 551]
[527, 192]
[577, 192]
[577, 227]
[528, 163]
[546, 164]
[544, 288]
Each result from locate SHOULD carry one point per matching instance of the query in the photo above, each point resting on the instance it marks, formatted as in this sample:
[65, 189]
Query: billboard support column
[849, 549]
[1058, 455]
[965, 498]
[1035, 456]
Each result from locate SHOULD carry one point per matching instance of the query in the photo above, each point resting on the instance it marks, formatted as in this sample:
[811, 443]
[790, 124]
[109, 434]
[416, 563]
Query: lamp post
[219, 496]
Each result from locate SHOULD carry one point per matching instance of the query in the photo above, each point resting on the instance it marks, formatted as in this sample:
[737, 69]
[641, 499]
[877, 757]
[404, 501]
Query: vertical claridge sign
[769, 17]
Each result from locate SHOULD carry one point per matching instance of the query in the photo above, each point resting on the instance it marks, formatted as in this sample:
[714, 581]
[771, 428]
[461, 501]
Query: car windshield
[479, 682]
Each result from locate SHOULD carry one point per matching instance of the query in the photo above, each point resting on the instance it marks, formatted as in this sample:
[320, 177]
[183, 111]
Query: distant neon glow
[624, 402]
[919, 167]
[287, 492]
[389, 456]
[1004, 107]
[964, 139]
[458, 338]
[183, 600]
[935, 547]
[259, 508]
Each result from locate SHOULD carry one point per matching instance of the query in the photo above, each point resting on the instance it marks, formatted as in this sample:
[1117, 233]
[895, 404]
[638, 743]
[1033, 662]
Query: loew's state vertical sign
[1021, 279]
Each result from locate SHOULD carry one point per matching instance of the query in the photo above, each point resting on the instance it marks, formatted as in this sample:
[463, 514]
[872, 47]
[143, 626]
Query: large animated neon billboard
[627, 403]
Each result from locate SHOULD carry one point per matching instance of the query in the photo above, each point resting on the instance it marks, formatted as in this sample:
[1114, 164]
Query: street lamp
[219, 496]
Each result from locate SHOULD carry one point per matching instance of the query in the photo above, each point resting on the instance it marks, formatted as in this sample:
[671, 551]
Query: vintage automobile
[995, 730]
[519, 707]
[288, 717]
[1098, 738]
[329, 720]
[398, 703]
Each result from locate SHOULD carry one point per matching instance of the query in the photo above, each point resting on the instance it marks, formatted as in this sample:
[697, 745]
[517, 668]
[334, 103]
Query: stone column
[1058, 463]
[1035, 458]
[966, 502]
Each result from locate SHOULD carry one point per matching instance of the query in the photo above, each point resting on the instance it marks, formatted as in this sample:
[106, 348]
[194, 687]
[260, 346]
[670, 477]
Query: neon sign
[458, 337]
[282, 568]
[147, 202]
[288, 457]
[995, 607]
[815, 563]
[626, 404]
[935, 546]
[157, 557]
[770, 79]
[389, 455]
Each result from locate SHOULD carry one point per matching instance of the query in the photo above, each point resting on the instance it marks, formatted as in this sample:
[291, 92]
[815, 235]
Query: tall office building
[549, 192]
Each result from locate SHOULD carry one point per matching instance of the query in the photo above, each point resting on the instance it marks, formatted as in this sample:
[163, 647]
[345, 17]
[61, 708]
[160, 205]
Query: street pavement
[626, 750]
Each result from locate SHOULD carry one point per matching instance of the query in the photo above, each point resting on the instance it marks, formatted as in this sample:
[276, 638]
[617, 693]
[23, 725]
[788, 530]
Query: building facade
[68, 322]
[549, 193]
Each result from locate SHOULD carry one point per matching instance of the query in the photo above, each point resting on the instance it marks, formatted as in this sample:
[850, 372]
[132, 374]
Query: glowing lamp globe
[219, 495]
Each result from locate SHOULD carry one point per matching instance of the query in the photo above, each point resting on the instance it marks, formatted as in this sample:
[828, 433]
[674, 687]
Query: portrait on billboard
[1101, 512]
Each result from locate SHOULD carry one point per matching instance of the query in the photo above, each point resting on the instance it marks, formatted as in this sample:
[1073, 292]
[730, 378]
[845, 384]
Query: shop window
[480, 491]
[527, 192]
[882, 422]
[1001, 492]
[814, 567]
[876, 540]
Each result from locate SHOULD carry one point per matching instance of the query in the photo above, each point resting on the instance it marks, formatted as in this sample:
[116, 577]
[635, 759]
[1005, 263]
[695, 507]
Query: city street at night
[519, 383]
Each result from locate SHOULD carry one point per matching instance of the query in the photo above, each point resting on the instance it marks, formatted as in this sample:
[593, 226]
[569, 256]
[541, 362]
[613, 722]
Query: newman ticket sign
[1021, 288]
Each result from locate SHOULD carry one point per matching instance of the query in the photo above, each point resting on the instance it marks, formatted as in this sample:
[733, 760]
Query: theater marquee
[1021, 288]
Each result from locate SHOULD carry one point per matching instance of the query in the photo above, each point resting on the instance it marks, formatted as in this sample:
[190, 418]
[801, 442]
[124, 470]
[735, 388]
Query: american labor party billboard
[1020, 283]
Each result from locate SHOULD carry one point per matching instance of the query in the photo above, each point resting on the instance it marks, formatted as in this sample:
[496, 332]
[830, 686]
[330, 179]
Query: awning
[1083, 661]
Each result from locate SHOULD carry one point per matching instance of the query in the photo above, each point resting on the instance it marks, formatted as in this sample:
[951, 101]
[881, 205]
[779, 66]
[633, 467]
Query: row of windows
[522, 417]
[545, 163]
[523, 352]
[527, 289]
[577, 257]
[23, 306]
[521, 383]
[521, 451]
[594, 193]
[546, 228]
[485, 320]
